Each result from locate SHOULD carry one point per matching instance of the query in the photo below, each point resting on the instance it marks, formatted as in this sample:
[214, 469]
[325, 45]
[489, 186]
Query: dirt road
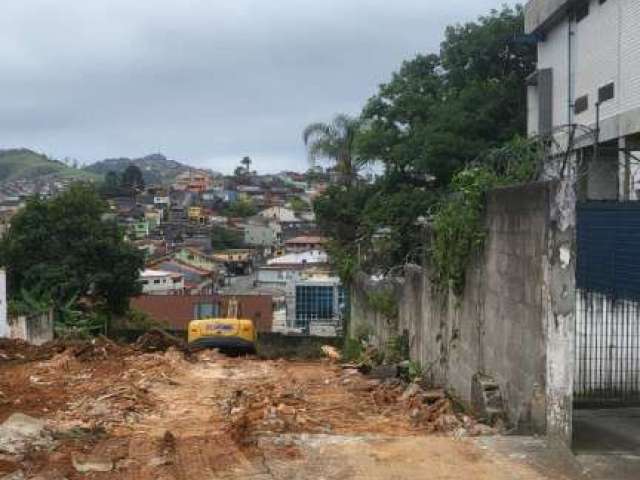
[114, 413]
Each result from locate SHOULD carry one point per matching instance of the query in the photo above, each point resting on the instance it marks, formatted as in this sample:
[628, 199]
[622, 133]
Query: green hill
[19, 164]
[156, 169]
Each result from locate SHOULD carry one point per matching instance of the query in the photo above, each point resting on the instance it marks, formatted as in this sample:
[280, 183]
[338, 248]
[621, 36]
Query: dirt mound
[157, 340]
[19, 350]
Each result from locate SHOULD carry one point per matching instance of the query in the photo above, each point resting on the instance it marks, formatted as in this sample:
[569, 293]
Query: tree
[111, 185]
[440, 112]
[63, 247]
[246, 163]
[132, 179]
[224, 238]
[241, 208]
[298, 205]
[335, 141]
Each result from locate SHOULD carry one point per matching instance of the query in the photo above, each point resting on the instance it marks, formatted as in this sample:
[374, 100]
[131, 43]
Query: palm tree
[336, 141]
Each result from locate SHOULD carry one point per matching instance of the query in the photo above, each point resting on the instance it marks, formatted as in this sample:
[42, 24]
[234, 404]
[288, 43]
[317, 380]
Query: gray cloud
[203, 81]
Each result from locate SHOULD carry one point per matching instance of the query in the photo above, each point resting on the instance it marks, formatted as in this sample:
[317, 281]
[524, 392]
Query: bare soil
[163, 416]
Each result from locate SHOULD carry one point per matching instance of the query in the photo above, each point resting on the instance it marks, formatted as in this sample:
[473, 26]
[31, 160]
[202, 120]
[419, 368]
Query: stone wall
[499, 326]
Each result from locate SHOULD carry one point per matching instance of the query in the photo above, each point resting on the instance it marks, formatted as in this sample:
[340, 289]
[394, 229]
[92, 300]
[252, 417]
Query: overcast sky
[202, 81]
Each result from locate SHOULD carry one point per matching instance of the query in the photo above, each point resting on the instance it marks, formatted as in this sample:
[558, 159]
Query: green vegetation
[447, 127]
[26, 164]
[156, 169]
[298, 205]
[60, 253]
[241, 208]
[336, 141]
[223, 238]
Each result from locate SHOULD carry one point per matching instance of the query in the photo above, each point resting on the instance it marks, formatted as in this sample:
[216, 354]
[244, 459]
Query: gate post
[559, 309]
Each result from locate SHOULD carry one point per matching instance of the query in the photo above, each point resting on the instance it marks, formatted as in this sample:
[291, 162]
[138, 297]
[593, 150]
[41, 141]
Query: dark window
[581, 105]
[156, 282]
[606, 93]
[581, 11]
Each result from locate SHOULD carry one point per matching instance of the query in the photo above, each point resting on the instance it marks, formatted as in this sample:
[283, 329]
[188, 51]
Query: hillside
[24, 164]
[156, 169]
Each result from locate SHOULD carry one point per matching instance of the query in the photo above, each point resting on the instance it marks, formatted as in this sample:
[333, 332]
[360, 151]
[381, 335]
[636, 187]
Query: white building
[310, 257]
[589, 76]
[160, 282]
[279, 214]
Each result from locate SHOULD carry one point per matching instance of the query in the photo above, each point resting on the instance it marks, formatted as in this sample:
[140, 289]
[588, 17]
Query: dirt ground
[116, 413]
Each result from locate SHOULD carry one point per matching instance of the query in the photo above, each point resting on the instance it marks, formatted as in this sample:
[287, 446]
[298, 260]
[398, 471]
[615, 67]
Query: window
[581, 11]
[581, 104]
[313, 303]
[157, 282]
[606, 93]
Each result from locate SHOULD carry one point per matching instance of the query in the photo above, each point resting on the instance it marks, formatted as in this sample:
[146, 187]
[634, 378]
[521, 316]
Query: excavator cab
[230, 334]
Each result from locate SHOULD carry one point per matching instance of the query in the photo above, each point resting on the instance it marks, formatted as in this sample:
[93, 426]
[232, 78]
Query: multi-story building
[586, 90]
[160, 282]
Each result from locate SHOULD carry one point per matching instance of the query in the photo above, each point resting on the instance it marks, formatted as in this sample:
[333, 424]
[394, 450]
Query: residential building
[309, 257]
[236, 261]
[586, 92]
[305, 243]
[261, 232]
[161, 282]
[196, 258]
[197, 281]
[196, 181]
[280, 214]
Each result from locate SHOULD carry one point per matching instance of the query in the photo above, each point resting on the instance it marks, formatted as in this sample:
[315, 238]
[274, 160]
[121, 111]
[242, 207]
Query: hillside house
[161, 282]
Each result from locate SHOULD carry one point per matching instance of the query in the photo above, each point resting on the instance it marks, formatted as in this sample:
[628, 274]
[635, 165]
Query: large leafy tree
[335, 141]
[64, 248]
[440, 112]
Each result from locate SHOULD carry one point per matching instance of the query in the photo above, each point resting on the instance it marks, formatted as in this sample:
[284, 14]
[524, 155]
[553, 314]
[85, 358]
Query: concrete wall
[35, 329]
[500, 325]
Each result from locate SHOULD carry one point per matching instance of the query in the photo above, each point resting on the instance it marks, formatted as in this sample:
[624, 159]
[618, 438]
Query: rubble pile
[19, 350]
[269, 409]
[430, 411]
[157, 340]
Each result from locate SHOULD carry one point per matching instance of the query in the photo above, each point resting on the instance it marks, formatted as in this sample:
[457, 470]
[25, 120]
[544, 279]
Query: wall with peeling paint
[513, 321]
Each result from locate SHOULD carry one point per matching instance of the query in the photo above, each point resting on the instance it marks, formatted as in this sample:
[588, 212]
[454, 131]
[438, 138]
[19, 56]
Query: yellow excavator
[232, 334]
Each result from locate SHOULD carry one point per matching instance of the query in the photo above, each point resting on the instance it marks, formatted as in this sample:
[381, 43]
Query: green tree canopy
[132, 179]
[440, 112]
[64, 247]
[223, 238]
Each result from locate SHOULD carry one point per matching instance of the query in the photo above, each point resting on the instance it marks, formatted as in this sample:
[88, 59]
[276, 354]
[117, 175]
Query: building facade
[586, 90]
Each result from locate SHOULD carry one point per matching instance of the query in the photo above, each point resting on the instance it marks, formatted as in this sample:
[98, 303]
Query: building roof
[149, 273]
[305, 240]
[311, 256]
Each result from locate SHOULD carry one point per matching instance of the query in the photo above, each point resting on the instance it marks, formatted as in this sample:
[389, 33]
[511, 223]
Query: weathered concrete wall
[499, 326]
[35, 329]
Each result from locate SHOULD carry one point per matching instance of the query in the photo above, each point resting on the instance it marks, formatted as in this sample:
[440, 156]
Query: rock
[91, 463]
[17, 475]
[411, 391]
[20, 433]
[383, 372]
[331, 352]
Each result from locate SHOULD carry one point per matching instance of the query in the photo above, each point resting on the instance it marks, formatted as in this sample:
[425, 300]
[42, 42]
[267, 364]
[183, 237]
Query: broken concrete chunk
[20, 433]
[17, 475]
[383, 372]
[411, 391]
[91, 463]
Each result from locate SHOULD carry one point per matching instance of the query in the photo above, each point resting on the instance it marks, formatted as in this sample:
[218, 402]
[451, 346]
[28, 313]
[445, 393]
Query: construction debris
[21, 433]
[119, 412]
[157, 340]
[331, 352]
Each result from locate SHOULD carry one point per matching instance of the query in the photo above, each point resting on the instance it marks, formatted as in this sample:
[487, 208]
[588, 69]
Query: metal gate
[608, 304]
